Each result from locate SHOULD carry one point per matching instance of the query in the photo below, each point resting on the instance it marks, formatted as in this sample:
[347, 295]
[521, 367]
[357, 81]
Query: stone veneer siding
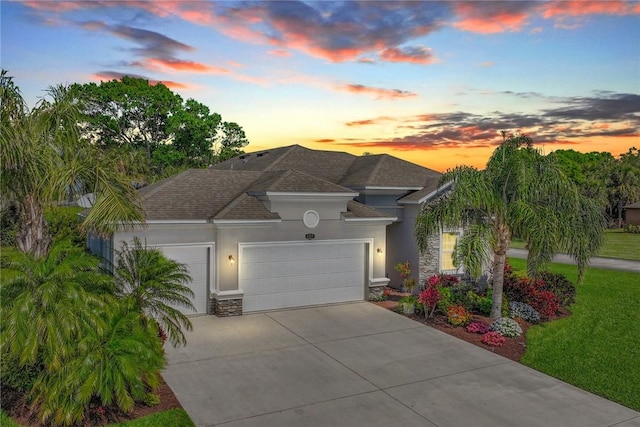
[226, 307]
[429, 262]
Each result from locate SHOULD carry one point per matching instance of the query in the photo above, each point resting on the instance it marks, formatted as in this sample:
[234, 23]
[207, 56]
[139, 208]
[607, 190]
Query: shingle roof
[383, 170]
[339, 168]
[328, 165]
[204, 194]
[294, 181]
[195, 194]
[633, 205]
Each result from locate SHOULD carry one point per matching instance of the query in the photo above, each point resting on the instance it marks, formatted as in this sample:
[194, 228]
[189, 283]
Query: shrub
[484, 305]
[507, 327]
[64, 224]
[562, 288]
[457, 315]
[478, 328]
[429, 298]
[630, 228]
[446, 300]
[17, 376]
[494, 339]
[524, 311]
[545, 302]
[532, 292]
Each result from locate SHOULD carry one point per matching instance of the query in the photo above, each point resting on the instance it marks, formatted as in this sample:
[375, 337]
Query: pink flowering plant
[494, 339]
[478, 328]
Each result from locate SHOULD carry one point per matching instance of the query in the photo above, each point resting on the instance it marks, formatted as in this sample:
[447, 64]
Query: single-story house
[632, 213]
[290, 227]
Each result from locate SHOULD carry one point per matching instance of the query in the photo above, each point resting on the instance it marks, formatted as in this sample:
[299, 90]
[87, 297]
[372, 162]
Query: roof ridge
[279, 159]
[376, 168]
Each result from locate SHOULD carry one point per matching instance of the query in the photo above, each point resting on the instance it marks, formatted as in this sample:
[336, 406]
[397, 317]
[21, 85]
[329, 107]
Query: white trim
[385, 219]
[245, 221]
[379, 281]
[378, 187]
[302, 194]
[428, 196]
[227, 295]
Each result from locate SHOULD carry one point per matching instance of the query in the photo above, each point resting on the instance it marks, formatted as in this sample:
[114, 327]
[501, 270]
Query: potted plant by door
[408, 283]
[407, 304]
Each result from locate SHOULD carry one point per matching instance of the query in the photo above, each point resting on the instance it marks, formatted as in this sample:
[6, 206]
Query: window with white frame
[447, 246]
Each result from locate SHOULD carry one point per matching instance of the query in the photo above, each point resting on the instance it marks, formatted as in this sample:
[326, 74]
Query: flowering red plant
[494, 339]
[429, 297]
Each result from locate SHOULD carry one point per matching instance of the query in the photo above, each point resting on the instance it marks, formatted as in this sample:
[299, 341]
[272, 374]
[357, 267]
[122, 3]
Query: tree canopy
[521, 192]
[134, 114]
[612, 183]
[44, 162]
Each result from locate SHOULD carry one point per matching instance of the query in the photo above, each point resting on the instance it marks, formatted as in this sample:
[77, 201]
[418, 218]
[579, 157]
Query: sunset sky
[430, 82]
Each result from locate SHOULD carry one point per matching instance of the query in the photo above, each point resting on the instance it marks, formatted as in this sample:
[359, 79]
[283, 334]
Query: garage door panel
[197, 260]
[282, 276]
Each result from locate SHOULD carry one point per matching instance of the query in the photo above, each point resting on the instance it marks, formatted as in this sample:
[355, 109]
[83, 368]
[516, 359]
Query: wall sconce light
[379, 251]
[231, 259]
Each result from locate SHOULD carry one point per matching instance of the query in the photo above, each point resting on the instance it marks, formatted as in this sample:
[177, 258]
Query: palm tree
[519, 193]
[154, 286]
[47, 303]
[117, 364]
[44, 161]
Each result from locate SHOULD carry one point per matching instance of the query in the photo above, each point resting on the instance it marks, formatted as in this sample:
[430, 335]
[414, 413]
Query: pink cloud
[180, 65]
[379, 93]
[491, 17]
[581, 8]
[413, 55]
[280, 53]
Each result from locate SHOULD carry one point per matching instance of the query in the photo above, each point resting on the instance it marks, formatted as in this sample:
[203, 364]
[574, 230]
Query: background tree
[590, 172]
[174, 135]
[520, 192]
[231, 139]
[129, 111]
[44, 162]
[194, 128]
[624, 185]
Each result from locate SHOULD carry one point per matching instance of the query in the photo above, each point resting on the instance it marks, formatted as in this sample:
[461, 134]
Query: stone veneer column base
[377, 286]
[226, 303]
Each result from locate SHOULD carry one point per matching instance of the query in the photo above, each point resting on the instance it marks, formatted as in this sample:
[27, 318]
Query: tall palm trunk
[33, 237]
[499, 260]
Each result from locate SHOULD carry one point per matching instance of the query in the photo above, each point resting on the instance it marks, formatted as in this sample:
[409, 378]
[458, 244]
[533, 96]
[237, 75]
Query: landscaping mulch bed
[15, 407]
[513, 348]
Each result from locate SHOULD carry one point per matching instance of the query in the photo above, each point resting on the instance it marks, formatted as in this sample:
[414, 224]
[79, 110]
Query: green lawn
[617, 244]
[597, 348]
[172, 417]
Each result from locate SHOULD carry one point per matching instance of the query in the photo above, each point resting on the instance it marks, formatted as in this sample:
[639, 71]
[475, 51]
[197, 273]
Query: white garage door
[197, 259]
[277, 275]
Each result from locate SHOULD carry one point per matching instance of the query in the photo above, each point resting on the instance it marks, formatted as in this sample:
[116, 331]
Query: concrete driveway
[361, 365]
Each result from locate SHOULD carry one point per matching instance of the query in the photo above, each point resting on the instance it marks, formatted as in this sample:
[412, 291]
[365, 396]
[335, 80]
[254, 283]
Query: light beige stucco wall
[230, 237]
[227, 238]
